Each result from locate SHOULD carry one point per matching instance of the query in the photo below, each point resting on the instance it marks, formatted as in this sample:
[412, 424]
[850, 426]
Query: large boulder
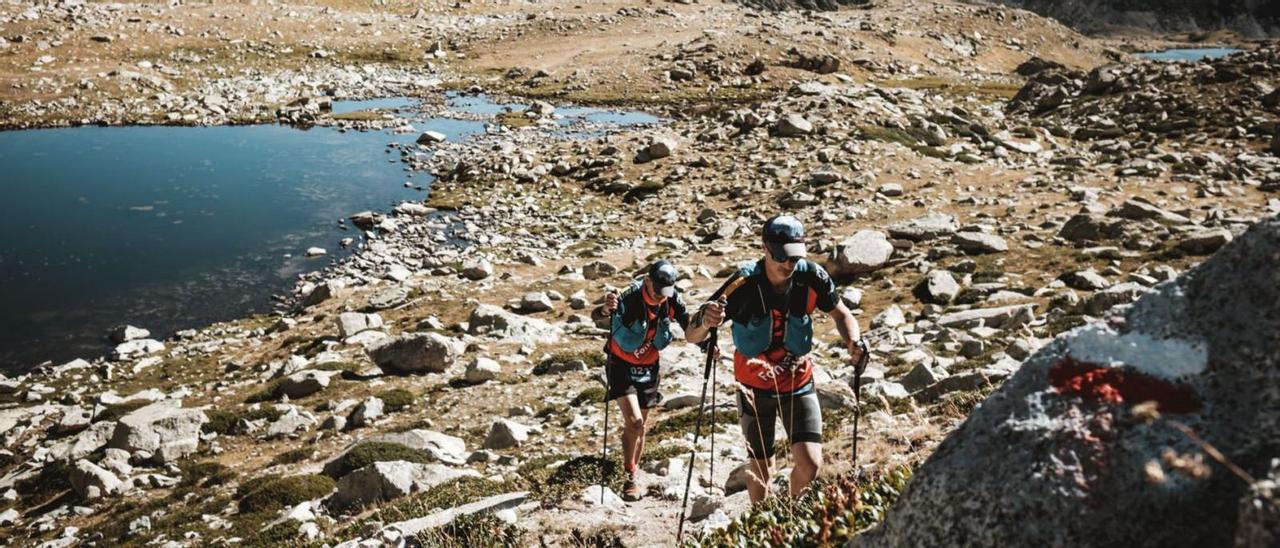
[91, 481]
[494, 321]
[1085, 444]
[865, 251]
[415, 353]
[164, 429]
[505, 434]
[382, 481]
[350, 323]
[1003, 317]
[305, 383]
[979, 242]
[926, 227]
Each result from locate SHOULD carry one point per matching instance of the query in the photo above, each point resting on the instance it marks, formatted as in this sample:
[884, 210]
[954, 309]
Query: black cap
[663, 274]
[784, 236]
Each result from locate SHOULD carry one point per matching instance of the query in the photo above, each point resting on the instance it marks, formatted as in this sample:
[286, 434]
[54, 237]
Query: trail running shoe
[631, 491]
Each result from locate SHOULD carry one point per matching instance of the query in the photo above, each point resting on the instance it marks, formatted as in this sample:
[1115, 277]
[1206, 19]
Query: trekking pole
[712, 350]
[858, 368]
[711, 471]
[604, 445]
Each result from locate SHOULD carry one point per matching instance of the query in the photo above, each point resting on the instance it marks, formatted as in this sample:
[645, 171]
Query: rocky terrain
[979, 179]
[1251, 18]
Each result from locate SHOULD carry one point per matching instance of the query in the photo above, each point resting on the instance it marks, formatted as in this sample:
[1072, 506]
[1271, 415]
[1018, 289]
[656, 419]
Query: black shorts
[801, 417]
[641, 380]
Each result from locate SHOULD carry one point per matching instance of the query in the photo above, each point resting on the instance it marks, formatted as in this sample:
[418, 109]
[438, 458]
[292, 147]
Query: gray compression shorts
[801, 417]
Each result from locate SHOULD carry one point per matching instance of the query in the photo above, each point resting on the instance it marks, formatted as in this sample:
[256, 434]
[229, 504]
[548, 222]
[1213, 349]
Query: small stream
[170, 228]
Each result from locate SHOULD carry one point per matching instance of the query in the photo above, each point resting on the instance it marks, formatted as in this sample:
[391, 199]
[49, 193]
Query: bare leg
[808, 460]
[758, 478]
[632, 432]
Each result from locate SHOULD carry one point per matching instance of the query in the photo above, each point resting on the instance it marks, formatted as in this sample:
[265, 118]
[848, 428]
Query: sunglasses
[782, 257]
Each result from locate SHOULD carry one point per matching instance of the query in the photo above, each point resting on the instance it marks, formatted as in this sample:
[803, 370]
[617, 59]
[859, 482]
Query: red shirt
[646, 354]
[768, 371]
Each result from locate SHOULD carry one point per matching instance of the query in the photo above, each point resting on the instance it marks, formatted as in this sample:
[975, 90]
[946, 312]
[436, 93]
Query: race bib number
[642, 375]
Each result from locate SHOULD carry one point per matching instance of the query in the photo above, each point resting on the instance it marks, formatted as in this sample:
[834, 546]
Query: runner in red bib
[640, 321]
[771, 303]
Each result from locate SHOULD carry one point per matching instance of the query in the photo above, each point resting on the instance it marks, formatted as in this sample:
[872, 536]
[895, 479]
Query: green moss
[591, 394]
[395, 400]
[205, 474]
[292, 456]
[279, 493]
[368, 453]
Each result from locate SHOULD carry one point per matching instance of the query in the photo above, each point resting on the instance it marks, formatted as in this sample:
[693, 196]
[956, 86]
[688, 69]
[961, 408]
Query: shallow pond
[170, 228]
[1192, 55]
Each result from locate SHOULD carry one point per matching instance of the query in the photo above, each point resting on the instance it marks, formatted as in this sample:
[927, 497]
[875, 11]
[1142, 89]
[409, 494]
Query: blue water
[170, 228]
[1192, 55]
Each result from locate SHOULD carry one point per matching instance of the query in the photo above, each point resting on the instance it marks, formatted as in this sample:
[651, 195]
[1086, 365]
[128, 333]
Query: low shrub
[205, 474]
[228, 423]
[592, 394]
[292, 456]
[368, 453]
[396, 399]
[282, 492]
[831, 512]
[473, 530]
[593, 358]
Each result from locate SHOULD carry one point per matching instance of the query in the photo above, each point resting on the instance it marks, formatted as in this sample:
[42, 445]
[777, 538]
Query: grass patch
[830, 513]
[205, 474]
[292, 456]
[591, 394]
[679, 425]
[514, 119]
[959, 404]
[270, 393]
[654, 453]
[593, 358]
[53, 480]
[1060, 323]
[396, 399]
[368, 453]
[449, 494]
[552, 409]
[231, 423]
[569, 479]
[473, 530]
[281, 492]
[359, 116]
[349, 367]
[119, 410]
[987, 276]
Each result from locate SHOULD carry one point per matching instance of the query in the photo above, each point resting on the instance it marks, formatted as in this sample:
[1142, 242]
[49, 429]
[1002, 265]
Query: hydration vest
[755, 335]
[632, 337]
